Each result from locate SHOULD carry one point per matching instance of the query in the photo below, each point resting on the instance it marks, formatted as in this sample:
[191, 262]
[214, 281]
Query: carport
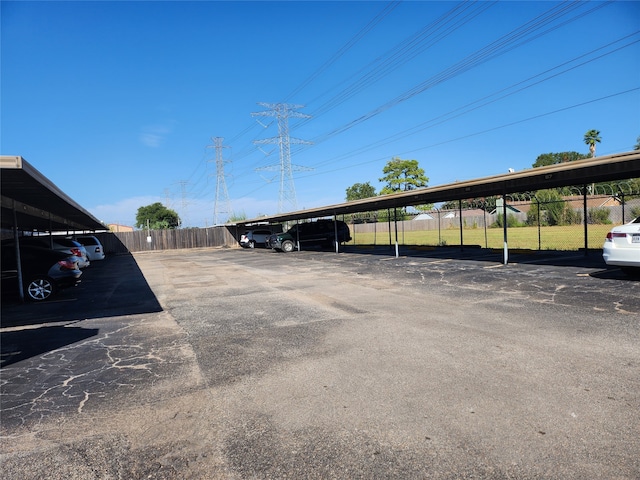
[31, 202]
[577, 173]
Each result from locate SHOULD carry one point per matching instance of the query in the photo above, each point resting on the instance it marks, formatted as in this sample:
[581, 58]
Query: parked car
[44, 271]
[252, 238]
[94, 248]
[622, 247]
[320, 232]
[60, 244]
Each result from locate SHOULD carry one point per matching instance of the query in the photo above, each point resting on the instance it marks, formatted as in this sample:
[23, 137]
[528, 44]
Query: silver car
[252, 238]
[59, 244]
[94, 248]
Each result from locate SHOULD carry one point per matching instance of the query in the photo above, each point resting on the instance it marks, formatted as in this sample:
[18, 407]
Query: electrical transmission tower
[184, 203]
[167, 198]
[222, 205]
[282, 112]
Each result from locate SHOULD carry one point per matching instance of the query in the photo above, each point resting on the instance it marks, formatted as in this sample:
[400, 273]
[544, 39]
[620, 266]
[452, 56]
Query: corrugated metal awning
[33, 202]
[620, 166]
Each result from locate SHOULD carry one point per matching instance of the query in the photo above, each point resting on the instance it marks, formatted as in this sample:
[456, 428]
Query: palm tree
[591, 138]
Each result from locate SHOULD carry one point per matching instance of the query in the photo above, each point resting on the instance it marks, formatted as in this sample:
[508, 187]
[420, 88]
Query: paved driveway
[232, 363]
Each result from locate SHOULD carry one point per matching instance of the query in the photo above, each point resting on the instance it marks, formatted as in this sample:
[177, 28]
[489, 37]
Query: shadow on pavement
[614, 273]
[19, 345]
[111, 287]
[590, 259]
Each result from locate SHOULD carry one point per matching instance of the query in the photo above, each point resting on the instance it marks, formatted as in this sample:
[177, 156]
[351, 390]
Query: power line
[406, 50]
[248, 149]
[346, 47]
[518, 37]
[482, 132]
[496, 96]
[504, 44]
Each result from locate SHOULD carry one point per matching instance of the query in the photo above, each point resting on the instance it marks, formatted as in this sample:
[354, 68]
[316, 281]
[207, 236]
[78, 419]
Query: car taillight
[68, 264]
[612, 235]
[76, 252]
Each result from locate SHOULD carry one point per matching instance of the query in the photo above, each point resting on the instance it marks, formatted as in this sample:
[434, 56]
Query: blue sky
[117, 102]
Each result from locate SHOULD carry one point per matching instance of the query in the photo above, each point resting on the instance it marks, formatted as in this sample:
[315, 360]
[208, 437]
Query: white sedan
[622, 247]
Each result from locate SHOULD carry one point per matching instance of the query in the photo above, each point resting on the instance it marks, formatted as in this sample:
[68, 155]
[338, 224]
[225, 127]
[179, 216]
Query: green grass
[569, 237]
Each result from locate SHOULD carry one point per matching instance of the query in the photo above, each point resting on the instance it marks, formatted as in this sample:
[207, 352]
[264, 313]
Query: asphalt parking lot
[234, 364]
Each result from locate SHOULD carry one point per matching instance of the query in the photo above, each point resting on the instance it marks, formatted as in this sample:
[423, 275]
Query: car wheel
[252, 244]
[40, 289]
[287, 246]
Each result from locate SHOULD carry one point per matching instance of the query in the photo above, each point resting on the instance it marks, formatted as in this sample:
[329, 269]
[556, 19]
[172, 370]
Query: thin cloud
[124, 211]
[154, 136]
[192, 212]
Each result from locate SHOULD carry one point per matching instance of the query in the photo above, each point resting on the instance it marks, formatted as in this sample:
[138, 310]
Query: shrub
[599, 215]
[512, 221]
[573, 217]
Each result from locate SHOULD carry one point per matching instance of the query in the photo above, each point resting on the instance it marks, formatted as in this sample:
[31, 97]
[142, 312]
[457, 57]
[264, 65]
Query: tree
[402, 175]
[360, 190]
[427, 207]
[157, 217]
[555, 158]
[238, 217]
[591, 138]
[637, 146]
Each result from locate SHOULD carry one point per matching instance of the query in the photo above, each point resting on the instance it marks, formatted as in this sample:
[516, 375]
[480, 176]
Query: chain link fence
[539, 221]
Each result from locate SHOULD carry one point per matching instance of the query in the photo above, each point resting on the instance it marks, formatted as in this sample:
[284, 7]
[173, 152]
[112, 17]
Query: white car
[94, 248]
[622, 247]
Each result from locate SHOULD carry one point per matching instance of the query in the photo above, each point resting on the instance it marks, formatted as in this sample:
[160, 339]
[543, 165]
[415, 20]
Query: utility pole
[221, 204]
[282, 112]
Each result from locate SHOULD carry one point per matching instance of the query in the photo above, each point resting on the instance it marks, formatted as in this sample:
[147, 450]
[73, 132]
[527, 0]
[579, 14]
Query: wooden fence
[141, 240]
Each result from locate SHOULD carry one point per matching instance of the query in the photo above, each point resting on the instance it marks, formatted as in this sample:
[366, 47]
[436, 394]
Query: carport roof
[608, 168]
[38, 204]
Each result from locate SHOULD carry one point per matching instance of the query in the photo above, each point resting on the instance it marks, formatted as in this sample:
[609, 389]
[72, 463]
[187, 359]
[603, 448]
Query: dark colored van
[320, 232]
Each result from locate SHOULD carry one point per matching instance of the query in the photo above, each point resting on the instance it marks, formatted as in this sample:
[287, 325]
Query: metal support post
[505, 259]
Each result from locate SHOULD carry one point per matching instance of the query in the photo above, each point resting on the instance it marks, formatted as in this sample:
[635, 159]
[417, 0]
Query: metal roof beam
[620, 166]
